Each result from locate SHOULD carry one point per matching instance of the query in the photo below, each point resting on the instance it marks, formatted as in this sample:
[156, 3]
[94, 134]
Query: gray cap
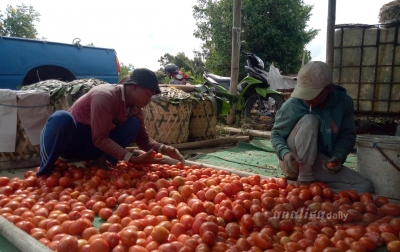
[312, 78]
[145, 78]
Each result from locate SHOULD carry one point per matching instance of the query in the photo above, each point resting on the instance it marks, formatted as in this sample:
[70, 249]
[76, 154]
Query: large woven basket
[168, 121]
[23, 149]
[203, 121]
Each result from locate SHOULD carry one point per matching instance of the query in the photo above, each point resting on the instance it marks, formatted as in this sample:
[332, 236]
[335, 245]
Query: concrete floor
[15, 173]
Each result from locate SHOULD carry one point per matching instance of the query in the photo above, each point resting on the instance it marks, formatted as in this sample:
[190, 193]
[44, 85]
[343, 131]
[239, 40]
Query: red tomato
[208, 226]
[26, 226]
[355, 232]
[232, 230]
[78, 226]
[388, 237]
[393, 246]
[68, 243]
[322, 242]
[286, 225]
[170, 211]
[128, 236]
[4, 181]
[247, 221]
[122, 210]
[52, 181]
[331, 165]
[113, 239]
[160, 234]
[99, 245]
[53, 231]
[380, 201]
[153, 154]
[263, 241]
[375, 237]
[357, 247]
[366, 197]
[65, 182]
[327, 193]
[391, 209]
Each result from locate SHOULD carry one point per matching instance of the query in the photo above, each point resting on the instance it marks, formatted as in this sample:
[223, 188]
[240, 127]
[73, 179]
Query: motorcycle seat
[219, 78]
[223, 81]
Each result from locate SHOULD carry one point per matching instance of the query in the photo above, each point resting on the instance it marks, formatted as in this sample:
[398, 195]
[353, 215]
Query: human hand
[146, 158]
[333, 166]
[173, 153]
[291, 161]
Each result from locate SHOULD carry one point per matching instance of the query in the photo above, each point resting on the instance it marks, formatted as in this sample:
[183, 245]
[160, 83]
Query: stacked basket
[203, 121]
[174, 117]
[167, 116]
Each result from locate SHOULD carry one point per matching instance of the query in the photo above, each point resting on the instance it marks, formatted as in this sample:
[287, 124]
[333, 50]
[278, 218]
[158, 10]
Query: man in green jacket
[315, 129]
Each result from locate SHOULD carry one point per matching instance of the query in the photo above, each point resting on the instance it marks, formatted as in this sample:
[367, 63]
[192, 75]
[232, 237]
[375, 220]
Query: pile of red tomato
[162, 207]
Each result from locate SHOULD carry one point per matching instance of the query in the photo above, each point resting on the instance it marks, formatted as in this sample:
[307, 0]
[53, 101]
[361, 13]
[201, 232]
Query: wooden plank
[205, 143]
[16, 164]
[23, 241]
[251, 133]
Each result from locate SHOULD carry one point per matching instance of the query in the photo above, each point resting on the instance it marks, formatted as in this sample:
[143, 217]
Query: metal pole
[330, 34]
[235, 57]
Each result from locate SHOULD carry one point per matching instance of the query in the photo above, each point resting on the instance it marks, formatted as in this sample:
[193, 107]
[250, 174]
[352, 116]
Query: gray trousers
[303, 141]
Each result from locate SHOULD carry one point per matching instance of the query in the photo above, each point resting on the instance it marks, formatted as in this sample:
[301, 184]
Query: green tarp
[258, 156]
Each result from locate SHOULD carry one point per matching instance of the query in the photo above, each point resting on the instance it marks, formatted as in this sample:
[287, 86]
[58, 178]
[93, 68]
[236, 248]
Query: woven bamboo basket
[24, 149]
[203, 121]
[168, 121]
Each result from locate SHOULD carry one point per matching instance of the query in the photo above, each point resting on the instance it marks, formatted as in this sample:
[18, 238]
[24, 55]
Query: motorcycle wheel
[272, 103]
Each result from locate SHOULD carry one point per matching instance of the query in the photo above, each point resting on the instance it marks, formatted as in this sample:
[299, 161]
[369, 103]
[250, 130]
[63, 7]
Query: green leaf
[76, 88]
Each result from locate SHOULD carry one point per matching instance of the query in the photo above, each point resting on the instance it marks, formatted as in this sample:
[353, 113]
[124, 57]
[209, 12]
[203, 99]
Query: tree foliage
[19, 22]
[275, 30]
[181, 60]
[193, 68]
[125, 70]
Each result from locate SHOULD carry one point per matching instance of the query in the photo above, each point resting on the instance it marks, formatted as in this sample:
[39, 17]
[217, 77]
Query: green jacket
[338, 110]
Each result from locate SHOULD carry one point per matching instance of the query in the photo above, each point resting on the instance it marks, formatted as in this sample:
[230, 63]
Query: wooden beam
[17, 164]
[206, 143]
[237, 5]
[23, 241]
[330, 33]
[251, 133]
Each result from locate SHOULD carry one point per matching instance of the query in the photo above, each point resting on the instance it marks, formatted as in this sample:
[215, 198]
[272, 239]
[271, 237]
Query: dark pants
[63, 137]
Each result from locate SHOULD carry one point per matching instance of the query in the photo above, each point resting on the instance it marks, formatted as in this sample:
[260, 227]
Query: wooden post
[330, 33]
[235, 57]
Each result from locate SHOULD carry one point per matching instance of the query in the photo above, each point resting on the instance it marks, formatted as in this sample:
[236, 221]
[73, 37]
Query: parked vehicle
[175, 75]
[27, 61]
[255, 99]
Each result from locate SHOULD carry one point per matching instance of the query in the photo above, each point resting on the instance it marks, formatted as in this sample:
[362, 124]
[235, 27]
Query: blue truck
[27, 61]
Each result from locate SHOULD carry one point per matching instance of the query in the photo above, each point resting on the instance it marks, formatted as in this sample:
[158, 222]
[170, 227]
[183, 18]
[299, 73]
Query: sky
[141, 31]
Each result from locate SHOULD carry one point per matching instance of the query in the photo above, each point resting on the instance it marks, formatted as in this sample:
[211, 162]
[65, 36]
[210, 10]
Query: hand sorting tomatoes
[160, 207]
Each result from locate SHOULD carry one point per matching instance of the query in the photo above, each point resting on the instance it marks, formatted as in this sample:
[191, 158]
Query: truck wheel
[272, 103]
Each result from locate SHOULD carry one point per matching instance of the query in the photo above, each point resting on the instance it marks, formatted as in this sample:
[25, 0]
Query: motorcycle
[254, 98]
[175, 75]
